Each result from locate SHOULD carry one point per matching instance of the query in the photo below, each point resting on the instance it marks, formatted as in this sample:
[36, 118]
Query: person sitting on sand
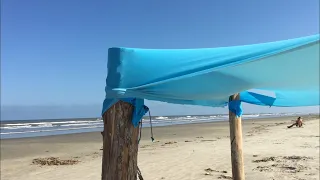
[298, 123]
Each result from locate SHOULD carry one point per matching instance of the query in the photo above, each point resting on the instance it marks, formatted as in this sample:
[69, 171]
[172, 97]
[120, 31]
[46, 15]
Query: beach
[188, 152]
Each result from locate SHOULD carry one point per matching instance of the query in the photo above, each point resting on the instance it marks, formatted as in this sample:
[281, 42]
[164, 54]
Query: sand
[181, 152]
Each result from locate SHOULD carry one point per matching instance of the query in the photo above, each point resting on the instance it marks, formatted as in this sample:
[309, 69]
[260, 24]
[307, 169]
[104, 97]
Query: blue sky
[54, 53]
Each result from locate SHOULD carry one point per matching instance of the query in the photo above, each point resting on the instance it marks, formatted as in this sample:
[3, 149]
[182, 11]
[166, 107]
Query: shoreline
[160, 132]
[144, 117]
[60, 132]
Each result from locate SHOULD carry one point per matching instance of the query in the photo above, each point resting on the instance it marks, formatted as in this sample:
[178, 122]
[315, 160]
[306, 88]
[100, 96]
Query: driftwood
[120, 143]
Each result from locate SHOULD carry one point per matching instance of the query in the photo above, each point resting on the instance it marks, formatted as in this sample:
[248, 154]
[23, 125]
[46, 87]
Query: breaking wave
[17, 129]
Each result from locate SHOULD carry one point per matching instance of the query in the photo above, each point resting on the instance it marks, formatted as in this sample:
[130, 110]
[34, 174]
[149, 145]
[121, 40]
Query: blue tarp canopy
[289, 69]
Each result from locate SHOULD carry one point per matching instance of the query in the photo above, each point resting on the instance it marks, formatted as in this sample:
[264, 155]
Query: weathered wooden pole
[236, 143]
[120, 143]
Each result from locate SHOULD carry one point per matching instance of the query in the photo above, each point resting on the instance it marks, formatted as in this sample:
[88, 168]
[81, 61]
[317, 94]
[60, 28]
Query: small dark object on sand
[53, 161]
[267, 159]
[210, 170]
[208, 140]
[224, 177]
[170, 142]
[297, 158]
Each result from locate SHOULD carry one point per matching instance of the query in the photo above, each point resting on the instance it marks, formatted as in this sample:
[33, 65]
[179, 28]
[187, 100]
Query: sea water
[33, 128]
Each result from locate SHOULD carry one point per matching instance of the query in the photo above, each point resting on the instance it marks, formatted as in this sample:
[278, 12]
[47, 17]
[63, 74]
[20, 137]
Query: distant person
[298, 123]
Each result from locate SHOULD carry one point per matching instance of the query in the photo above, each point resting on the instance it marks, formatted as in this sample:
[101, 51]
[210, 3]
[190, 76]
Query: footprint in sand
[278, 143]
[54, 161]
[207, 140]
[144, 146]
[306, 145]
[224, 177]
[168, 143]
[209, 172]
[287, 164]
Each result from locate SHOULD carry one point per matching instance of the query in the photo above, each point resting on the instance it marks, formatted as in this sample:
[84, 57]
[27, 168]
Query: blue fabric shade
[207, 77]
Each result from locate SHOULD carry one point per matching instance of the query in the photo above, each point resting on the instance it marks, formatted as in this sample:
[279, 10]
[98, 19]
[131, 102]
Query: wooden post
[236, 143]
[120, 144]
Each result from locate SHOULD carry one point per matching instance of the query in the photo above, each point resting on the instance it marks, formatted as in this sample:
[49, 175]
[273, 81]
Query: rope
[139, 174]
[152, 139]
[140, 131]
[151, 129]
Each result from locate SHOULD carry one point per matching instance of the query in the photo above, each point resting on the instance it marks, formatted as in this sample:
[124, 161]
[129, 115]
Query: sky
[54, 53]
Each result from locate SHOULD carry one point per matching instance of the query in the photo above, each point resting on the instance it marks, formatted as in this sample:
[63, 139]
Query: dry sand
[181, 152]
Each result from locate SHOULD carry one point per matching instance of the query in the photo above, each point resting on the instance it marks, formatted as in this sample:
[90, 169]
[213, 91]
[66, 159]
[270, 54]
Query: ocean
[48, 127]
